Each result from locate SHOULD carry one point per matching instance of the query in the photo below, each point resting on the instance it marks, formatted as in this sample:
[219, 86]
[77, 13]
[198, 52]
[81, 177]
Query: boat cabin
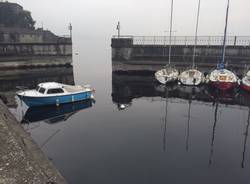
[50, 88]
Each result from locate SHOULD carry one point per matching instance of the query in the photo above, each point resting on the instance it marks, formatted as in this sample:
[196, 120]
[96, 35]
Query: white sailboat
[168, 73]
[222, 78]
[193, 77]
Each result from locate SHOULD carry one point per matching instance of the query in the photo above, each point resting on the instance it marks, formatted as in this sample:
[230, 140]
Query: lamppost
[70, 29]
[118, 27]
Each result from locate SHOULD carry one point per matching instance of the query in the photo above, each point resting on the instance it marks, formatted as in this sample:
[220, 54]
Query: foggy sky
[98, 18]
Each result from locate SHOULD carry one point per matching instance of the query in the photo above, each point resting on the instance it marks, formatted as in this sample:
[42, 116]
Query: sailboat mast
[170, 33]
[225, 34]
[196, 32]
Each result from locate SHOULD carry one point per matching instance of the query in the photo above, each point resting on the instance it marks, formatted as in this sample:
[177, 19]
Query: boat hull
[223, 86]
[166, 75]
[245, 87]
[191, 77]
[55, 100]
[223, 79]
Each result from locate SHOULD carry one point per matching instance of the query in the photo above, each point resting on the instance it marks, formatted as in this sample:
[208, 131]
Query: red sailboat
[222, 78]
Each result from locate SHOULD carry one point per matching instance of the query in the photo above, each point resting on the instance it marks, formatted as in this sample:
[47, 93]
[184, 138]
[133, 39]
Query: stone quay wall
[127, 56]
[35, 54]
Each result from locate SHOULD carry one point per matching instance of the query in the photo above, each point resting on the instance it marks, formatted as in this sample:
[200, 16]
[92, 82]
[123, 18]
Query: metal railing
[188, 40]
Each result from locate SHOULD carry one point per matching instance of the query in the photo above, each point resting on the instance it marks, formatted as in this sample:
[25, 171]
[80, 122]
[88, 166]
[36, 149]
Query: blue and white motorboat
[52, 93]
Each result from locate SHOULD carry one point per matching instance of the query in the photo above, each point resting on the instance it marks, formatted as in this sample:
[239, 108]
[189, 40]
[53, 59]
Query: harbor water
[136, 131]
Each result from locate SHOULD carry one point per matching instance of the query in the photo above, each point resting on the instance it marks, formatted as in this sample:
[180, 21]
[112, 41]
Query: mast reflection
[216, 104]
[245, 140]
[127, 87]
[165, 123]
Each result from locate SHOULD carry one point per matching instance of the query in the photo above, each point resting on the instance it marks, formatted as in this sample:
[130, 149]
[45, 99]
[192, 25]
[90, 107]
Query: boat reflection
[127, 88]
[54, 114]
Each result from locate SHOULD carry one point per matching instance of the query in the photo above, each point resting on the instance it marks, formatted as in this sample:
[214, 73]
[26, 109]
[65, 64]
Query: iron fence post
[235, 40]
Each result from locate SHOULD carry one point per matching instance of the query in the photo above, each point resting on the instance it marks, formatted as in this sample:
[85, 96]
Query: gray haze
[94, 18]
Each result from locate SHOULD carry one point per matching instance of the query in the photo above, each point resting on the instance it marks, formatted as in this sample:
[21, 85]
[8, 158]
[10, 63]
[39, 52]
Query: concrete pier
[17, 55]
[23, 45]
[151, 53]
[21, 160]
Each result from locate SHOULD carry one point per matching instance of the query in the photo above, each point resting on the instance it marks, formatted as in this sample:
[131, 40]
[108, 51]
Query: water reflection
[165, 124]
[188, 124]
[54, 114]
[29, 78]
[126, 88]
[129, 88]
[245, 140]
[213, 133]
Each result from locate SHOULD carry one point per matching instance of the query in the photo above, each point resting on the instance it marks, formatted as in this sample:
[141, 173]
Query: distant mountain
[13, 15]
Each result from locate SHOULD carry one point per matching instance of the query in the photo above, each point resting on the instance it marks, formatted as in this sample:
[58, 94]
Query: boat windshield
[55, 91]
[37, 88]
[41, 90]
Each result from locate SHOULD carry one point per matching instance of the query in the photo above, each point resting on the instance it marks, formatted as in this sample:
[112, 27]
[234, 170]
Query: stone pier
[151, 53]
[24, 45]
[21, 160]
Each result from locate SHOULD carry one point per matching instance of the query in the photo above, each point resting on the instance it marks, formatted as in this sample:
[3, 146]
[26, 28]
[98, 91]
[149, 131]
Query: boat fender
[239, 82]
[57, 102]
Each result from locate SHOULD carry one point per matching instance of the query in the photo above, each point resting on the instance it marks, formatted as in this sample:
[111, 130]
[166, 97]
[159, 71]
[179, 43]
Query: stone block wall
[129, 57]
[35, 50]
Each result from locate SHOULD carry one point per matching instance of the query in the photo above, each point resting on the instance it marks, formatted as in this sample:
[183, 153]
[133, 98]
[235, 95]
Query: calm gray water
[137, 132]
